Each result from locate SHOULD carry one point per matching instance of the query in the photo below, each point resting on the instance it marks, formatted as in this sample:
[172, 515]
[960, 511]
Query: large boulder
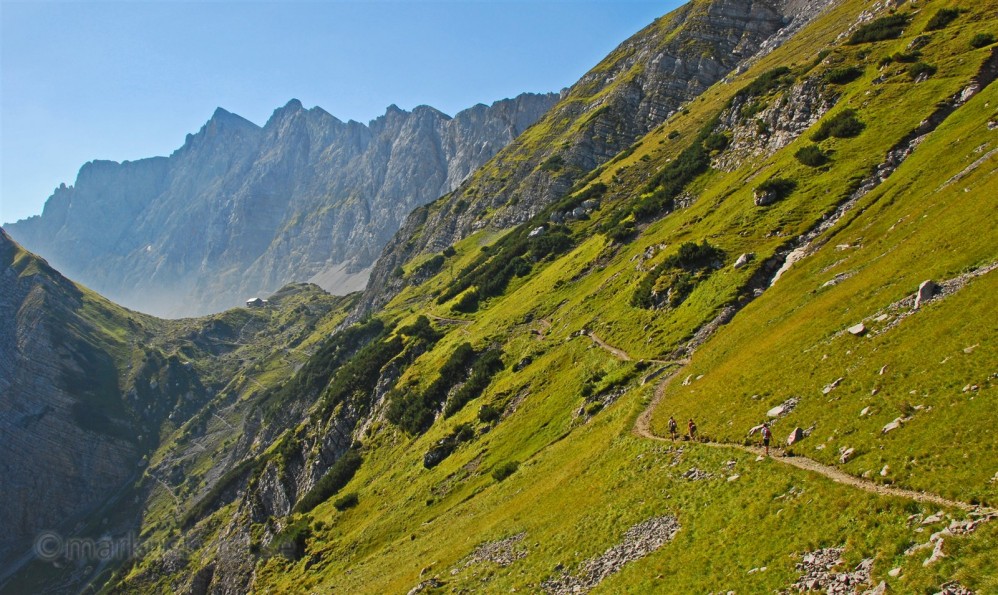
[925, 292]
[795, 436]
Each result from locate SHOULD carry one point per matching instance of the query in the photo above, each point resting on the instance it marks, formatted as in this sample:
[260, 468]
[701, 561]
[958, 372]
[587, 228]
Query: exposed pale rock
[925, 292]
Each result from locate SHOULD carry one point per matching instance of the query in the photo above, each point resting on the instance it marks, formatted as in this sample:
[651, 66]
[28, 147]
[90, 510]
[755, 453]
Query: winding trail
[642, 428]
[443, 320]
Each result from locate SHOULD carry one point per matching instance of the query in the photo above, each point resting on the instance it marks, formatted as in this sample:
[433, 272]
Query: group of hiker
[691, 432]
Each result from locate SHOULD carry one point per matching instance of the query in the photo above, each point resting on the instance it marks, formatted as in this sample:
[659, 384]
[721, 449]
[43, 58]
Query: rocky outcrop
[65, 439]
[637, 87]
[241, 210]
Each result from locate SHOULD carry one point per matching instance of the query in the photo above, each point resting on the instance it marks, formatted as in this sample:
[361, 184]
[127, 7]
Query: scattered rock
[925, 292]
[795, 436]
[432, 583]
[831, 386]
[882, 371]
[892, 425]
[502, 552]
[857, 330]
[763, 198]
[954, 588]
[639, 541]
[885, 471]
[817, 573]
[744, 259]
[537, 231]
[846, 455]
[695, 474]
[865, 411]
[783, 408]
[734, 477]
[894, 572]
[937, 553]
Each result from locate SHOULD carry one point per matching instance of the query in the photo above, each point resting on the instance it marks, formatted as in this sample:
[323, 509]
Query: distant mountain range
[241, 210]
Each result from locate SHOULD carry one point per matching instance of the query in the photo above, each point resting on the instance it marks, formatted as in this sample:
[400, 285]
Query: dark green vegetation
[844, 124]
[884, 28]
[811, 156]
[639, 298]
[677, 276]
[332, 482]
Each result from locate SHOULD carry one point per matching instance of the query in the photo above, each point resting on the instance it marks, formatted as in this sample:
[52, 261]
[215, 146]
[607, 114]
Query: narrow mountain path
[642, 428]
[621, 354]
[443, 320]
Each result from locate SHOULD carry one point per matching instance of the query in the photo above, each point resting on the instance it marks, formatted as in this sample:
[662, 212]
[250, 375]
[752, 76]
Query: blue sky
[127, 80]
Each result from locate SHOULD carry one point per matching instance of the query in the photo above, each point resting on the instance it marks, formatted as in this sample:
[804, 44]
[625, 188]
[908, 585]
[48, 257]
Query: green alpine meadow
[779, 212]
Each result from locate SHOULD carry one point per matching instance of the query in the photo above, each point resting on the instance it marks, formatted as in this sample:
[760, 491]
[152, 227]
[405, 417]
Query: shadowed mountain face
[241, 210]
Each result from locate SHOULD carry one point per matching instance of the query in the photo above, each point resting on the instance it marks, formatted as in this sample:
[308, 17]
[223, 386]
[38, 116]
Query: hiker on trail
[766, 436]
[693, 430]
[672, 428]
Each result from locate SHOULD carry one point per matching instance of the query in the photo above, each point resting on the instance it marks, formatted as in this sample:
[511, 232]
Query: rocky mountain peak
[242, 210]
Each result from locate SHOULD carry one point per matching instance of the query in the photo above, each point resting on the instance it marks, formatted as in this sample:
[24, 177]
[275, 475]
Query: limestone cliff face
[65, 444]
[241, 210]
[634, 89]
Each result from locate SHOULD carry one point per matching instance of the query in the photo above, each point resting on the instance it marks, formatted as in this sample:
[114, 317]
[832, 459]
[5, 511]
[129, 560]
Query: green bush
[843, 75]
[889, 27]
[431, 266]
[679, 272]
[781, 187]
[290, 541]
[348, 501]
[844, 124]
[505, 470]
[485, 367]
[767, 82]
[943, 17]
[982, 40]
[716, 142]
[338, 476]
[921, 68]
[488, 414]
[414, 412]
[674, 134]
[812, 156]
[449, 251]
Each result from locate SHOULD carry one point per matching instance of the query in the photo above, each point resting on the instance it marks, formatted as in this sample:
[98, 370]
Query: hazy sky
[127, 80]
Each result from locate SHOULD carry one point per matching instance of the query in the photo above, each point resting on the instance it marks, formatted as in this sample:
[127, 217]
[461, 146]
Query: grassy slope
[581, 485]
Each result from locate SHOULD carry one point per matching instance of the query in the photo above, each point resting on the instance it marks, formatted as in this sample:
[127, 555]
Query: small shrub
[889, 27]
[333, 481]
[844, 124]
[348, 501]
[943, 17]
[843, 75]
[919, 69]
[906, 57]
[811, 156]
[779, 186]
[488, 414]
[982, 40]
[468, 302]
[505, 470]
[449, 251]
[716, 142]
[674, 134]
